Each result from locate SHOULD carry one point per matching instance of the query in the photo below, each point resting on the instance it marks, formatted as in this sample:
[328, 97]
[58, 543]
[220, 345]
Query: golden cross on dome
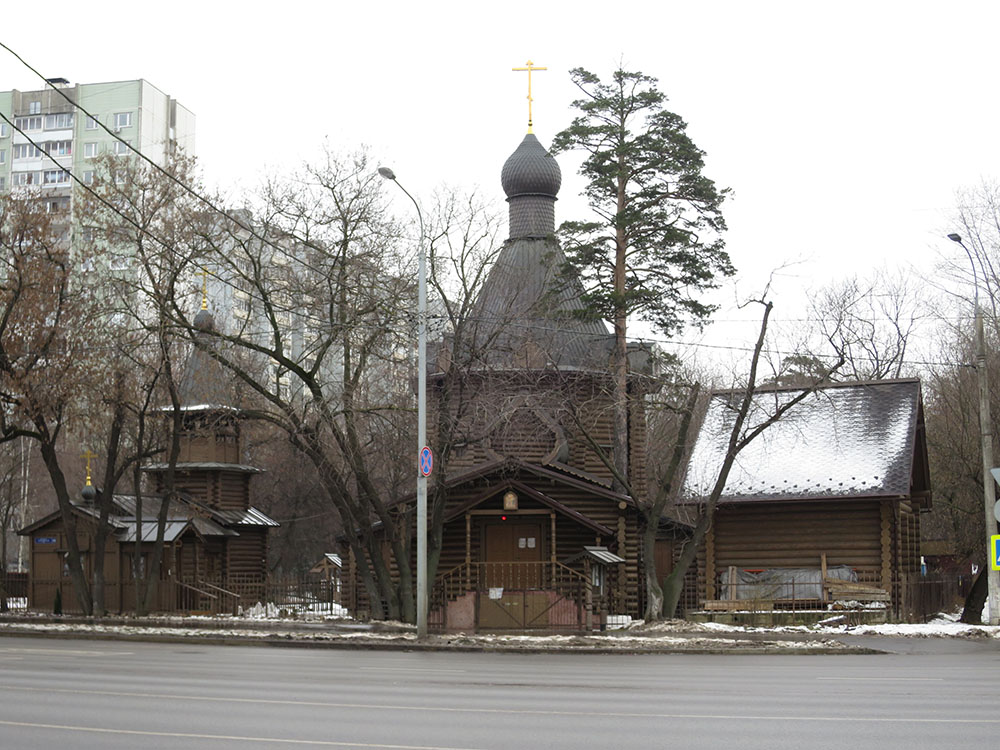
[530, 68]
[88, 454]
[204, 288]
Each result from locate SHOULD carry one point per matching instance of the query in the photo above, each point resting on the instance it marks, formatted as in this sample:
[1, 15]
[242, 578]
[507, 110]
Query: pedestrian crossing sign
[995, 552]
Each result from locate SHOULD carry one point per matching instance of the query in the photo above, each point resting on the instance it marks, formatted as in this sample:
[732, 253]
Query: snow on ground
[945, 625]
[269, 622]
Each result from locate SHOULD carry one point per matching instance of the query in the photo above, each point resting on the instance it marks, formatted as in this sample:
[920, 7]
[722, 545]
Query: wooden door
[512, 553]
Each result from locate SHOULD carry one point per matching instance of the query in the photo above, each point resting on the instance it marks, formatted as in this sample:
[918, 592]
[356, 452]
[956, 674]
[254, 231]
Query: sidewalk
[673, 636]
[680, 638]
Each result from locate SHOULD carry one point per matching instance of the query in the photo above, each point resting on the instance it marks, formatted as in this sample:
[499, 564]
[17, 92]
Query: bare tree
[47, 324]
[871, 321]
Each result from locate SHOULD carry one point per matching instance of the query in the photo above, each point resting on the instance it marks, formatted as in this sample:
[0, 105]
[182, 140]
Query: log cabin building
[215, 541]
[534, 534]
[824, 505]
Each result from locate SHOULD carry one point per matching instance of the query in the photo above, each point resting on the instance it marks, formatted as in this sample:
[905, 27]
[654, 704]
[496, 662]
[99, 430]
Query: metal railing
[912, 598]
[515, 595]
[289, 597]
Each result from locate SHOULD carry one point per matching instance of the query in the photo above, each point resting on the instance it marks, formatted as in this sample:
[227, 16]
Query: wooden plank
[729, 605]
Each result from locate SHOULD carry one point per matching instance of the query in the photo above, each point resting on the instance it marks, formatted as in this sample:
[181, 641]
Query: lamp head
[954, 237]
[387, 173]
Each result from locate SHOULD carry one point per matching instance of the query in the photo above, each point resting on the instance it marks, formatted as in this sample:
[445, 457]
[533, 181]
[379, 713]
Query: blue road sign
[995, 552]
[426, 461]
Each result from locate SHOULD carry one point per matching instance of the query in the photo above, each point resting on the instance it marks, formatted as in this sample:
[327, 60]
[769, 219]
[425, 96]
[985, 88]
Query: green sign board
[995, 552]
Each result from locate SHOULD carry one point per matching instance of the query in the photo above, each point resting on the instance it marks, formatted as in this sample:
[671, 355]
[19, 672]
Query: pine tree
[655, 239]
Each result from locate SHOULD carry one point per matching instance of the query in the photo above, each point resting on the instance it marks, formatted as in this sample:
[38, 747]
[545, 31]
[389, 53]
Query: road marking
[195, 736]
[885, 679]
[505, 711]
[64, 652]
[407, 669]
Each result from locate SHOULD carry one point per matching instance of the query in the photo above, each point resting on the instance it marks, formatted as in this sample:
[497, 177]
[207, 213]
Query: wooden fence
[287, 596]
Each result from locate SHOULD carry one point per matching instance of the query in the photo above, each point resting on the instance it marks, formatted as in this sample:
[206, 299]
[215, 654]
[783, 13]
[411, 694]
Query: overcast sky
[844, 129]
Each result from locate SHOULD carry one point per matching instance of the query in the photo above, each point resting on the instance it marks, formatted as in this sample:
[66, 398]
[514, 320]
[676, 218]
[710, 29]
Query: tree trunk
[106, 496]
[972, 612]
[3, 569]
[619, 360]
[654, 592]
[76, 573]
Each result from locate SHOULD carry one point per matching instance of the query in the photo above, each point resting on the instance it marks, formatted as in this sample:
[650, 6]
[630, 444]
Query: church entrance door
[513, 576]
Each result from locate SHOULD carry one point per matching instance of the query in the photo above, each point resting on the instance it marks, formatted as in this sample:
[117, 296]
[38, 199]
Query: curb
[277, 640]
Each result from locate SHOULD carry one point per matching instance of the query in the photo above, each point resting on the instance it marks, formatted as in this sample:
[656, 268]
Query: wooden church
[534, 535]
[215, 542]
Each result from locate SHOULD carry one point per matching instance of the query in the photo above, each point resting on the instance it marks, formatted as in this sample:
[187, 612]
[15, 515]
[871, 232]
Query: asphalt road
[98, 694]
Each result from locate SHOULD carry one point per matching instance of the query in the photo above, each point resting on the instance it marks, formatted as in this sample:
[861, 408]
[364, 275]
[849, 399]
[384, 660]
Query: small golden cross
[204, 288]
[87, 454]
[530, 67]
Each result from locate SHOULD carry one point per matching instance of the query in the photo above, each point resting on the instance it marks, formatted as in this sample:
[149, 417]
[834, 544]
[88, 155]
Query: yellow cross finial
[204, 288]
[87, 454]
[530, 68]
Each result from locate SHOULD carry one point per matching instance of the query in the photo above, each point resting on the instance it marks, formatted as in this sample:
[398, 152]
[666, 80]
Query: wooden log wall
[223, 490]
[507, 407]
[758, 536]
[247, 553]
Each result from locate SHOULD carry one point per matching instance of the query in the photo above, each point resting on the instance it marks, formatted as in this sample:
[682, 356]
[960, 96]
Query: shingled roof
[527, 314]
[204, 384]
[850, 440]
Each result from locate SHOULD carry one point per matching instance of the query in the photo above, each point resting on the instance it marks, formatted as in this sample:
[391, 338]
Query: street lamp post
[986, 437]
[421, 413]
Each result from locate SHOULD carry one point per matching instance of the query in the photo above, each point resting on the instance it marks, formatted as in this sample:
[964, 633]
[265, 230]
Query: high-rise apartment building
[58, 138]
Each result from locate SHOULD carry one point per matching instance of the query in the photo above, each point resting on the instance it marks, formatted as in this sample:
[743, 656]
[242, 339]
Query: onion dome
[531, 179]
[88, 493]
[531, 170]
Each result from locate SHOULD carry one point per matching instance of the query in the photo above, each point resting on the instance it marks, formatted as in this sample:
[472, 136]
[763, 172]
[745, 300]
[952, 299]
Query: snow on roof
[847, 440]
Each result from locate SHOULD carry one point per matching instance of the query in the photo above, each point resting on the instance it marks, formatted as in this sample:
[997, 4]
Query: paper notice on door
[496, 592]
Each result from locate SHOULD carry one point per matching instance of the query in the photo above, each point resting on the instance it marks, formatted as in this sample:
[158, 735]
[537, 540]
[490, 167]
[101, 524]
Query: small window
[3, 156]
[90, 150]
[123, 119]
[26, 151]
[4, 130]
[3, 183]
[121, 148]
[92, 123]
[59, 122]
[28, 123]
[56, 177]
[34, 108]
[88, 177]
[59, 148]
[24, 178]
